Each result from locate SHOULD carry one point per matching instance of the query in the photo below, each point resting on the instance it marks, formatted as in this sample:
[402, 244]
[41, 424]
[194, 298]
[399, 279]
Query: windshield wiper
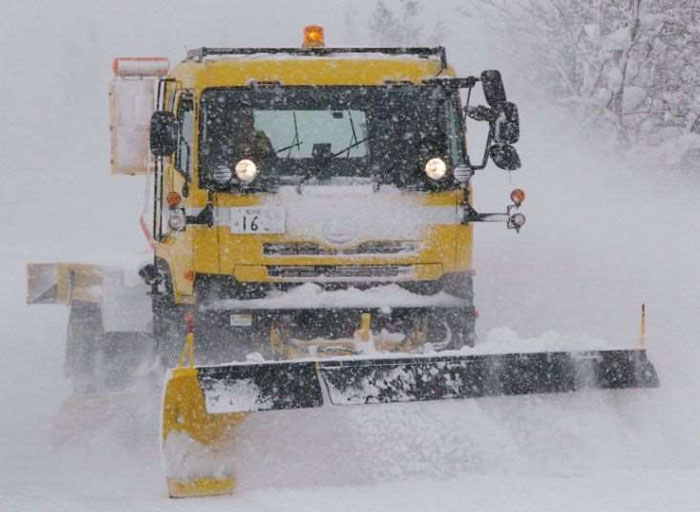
[317, 168]
[354, 134]
[290, 147]
[295, 141]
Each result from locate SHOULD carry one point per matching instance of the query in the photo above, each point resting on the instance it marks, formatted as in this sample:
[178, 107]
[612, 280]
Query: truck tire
[168, 320]
[464, 330]
[463, 321]
[168, 329]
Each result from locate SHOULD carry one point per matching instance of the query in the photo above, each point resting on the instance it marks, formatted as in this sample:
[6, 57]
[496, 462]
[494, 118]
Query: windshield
[386, 133]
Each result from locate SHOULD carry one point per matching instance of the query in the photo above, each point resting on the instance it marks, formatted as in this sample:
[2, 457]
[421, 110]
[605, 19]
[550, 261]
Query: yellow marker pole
[365, 321]
[643, 328]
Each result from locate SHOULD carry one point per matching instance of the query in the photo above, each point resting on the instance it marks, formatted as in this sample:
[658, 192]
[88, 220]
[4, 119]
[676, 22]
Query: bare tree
[630, 64]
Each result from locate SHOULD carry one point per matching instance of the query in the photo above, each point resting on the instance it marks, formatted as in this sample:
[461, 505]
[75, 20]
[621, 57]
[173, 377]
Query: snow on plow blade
[292, 385]
[202, 406]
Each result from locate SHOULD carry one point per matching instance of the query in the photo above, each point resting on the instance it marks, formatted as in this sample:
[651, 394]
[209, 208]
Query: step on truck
[312, 225]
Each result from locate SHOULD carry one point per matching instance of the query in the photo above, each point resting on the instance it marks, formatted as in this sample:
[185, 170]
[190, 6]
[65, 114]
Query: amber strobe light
[517, 196]
[313, 36]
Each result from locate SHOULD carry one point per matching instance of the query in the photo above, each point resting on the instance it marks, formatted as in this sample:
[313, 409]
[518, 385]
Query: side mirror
[507, 124]
[505, 157]
[494, 92]
[164, 133]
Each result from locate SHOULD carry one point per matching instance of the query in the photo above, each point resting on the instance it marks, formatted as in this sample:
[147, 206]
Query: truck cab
[299, 190]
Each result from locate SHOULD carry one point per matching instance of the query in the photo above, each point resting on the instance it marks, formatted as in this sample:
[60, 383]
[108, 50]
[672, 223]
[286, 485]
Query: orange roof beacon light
[313, 37]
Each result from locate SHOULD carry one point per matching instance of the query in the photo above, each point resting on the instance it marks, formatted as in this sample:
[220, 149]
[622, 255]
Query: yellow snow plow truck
[312, 233]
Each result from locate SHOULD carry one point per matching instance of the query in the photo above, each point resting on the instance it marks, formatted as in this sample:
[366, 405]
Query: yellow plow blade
[196, 446]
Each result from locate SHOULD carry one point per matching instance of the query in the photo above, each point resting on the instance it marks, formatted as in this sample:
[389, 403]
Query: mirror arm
[512, 220]
[485, 157]
[485, 217]
[489, 139]
[463, 111]
[471, 215]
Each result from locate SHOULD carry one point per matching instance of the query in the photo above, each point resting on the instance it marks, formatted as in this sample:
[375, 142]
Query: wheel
[462, 321]
[463, 324]
[168, 329]
[168, 320]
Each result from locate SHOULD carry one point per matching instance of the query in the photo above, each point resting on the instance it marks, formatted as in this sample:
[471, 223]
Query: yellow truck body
[444, 248]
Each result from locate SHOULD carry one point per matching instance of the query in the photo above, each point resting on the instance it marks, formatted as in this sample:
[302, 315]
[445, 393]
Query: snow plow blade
[203, 405]
[292, 385]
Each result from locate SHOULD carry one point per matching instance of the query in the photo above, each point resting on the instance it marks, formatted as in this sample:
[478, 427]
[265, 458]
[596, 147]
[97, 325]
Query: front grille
[297, 249]
[338, 271]
[314, 249]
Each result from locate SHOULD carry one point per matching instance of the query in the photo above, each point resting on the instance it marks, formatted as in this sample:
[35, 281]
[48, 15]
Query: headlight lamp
[246, 170]
[436, 168]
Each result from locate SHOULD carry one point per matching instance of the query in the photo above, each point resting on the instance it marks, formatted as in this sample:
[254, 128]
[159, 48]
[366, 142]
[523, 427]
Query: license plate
[257, 220]
[241, 320]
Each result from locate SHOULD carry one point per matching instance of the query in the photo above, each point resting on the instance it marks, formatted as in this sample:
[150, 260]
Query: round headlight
[177, 220]
[436, 168]
[246, 170]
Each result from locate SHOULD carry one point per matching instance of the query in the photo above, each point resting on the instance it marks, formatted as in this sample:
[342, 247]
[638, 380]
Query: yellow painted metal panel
[184, 412]
[304, 71]
[215, 250]
[59, 283]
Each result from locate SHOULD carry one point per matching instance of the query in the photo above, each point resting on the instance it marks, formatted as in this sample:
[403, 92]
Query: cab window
[185, 119]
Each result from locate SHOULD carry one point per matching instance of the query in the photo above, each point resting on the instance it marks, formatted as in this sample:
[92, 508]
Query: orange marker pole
[643, 328]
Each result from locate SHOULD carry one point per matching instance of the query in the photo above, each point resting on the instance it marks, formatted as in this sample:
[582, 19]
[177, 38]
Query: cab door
[176, 245]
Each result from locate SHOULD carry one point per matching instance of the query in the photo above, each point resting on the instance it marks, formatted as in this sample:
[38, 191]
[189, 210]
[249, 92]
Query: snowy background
[608, 229]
